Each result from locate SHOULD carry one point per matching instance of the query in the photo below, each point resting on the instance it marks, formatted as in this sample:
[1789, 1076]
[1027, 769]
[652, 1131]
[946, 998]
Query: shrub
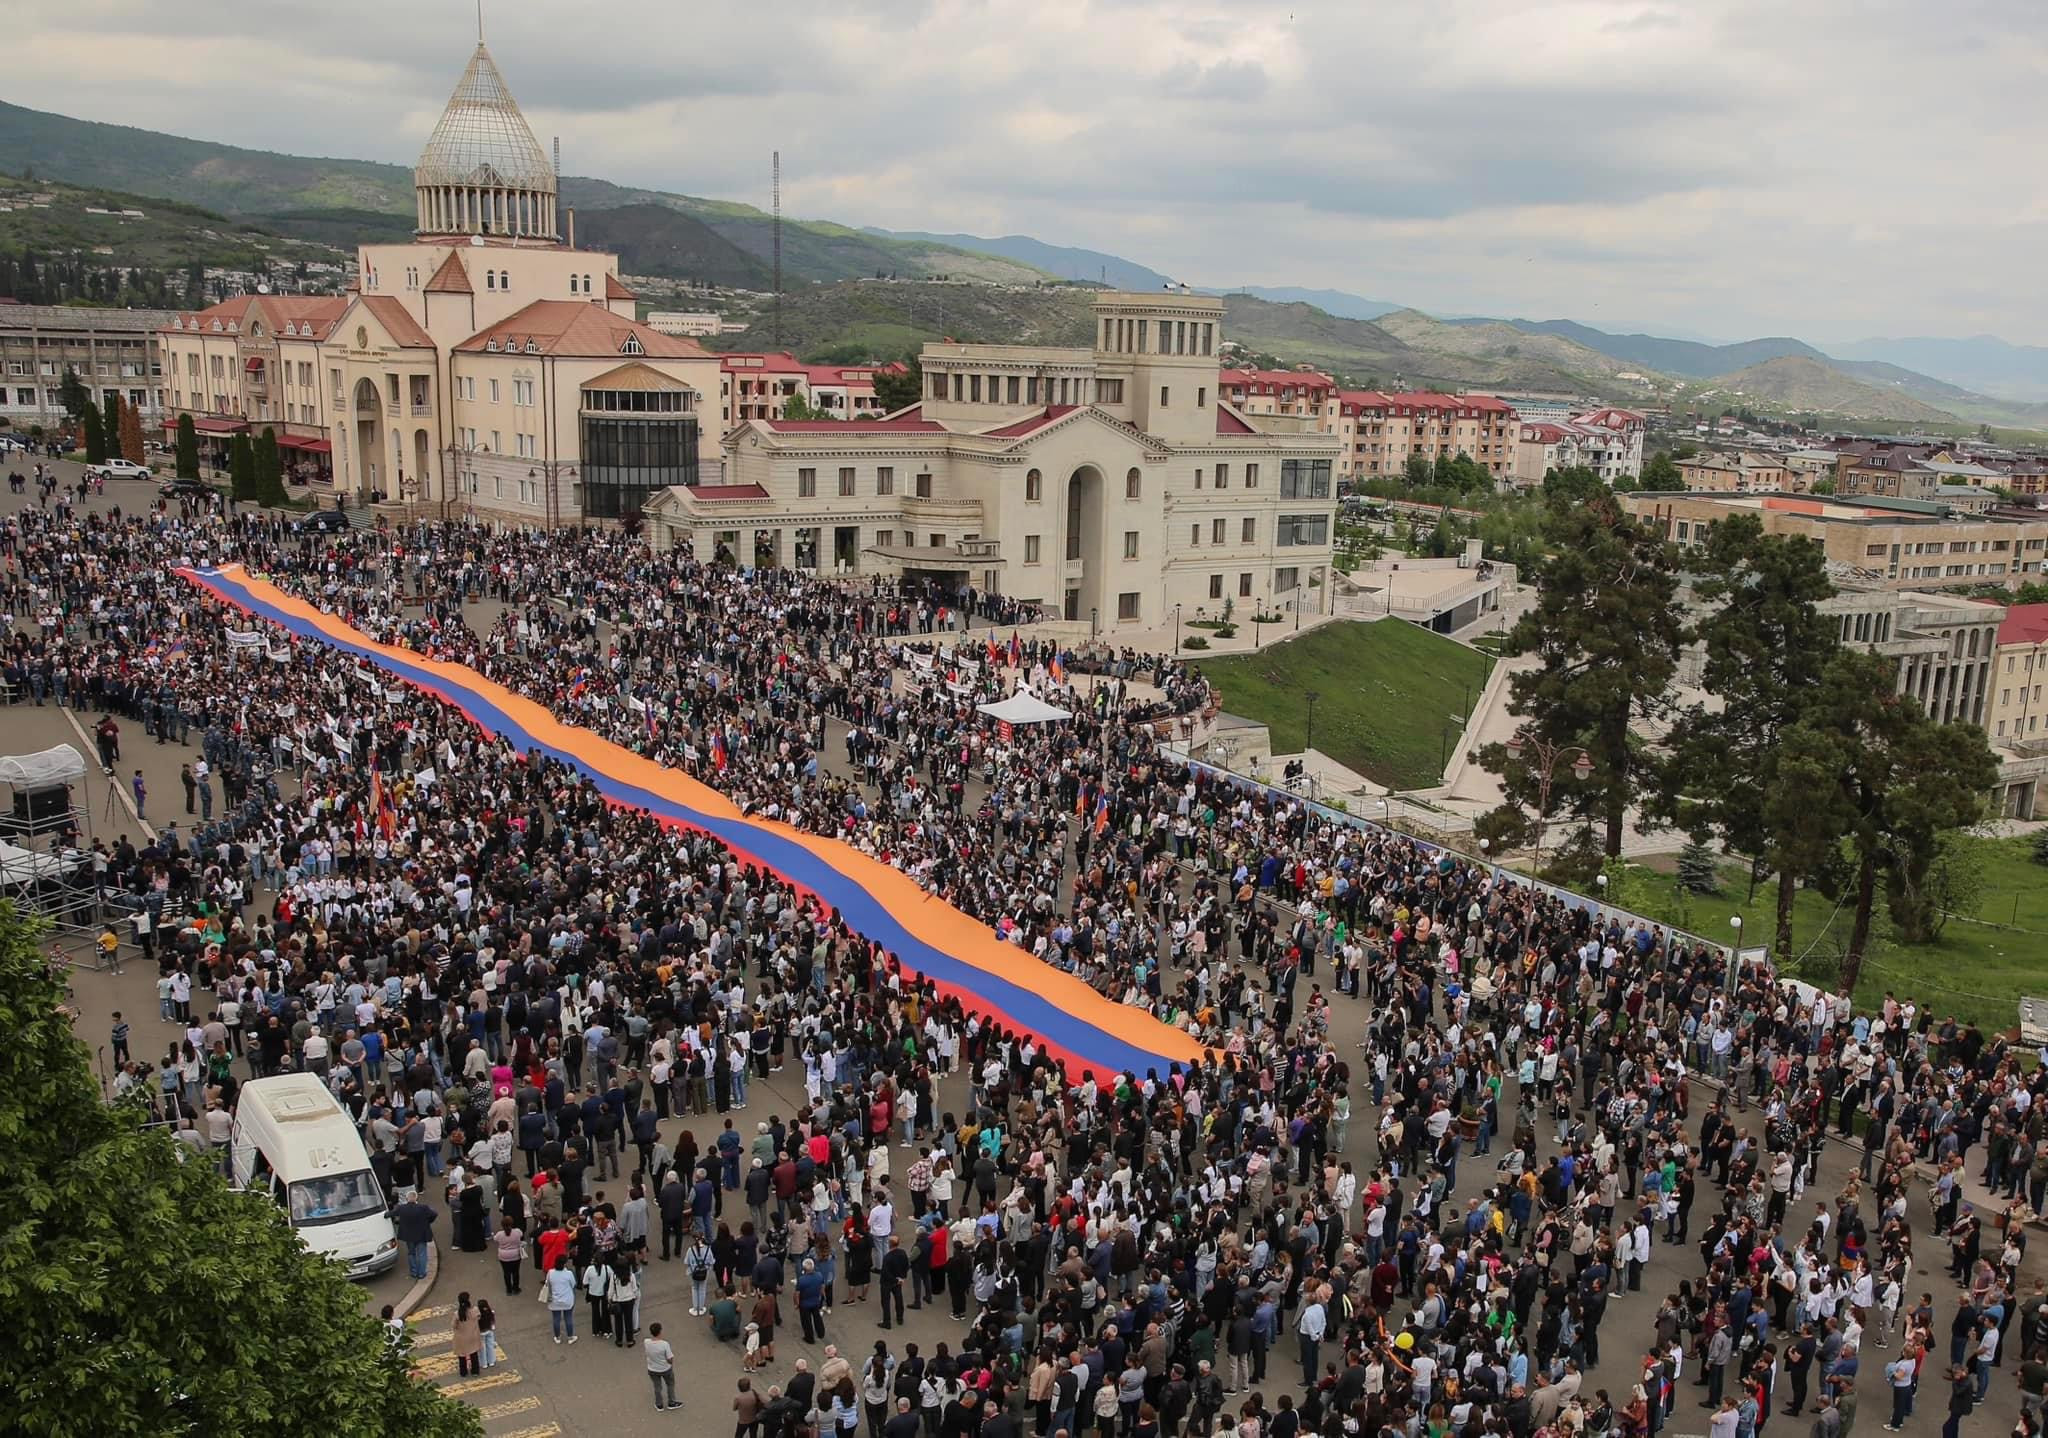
[1194, 641]
[1226, 631]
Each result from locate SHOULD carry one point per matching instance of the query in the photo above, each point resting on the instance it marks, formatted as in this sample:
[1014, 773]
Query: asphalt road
[541, 1389]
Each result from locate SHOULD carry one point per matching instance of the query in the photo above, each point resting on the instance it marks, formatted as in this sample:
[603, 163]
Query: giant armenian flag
[930, 938]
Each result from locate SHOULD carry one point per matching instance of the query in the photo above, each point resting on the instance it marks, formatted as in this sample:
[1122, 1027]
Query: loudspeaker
[40, 806]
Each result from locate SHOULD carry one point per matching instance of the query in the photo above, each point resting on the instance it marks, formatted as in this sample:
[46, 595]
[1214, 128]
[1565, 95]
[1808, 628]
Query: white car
[118, 469]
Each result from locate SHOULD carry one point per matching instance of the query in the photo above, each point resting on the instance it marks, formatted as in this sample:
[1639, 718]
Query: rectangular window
[1130, 544]
[1127, 604]
[1251, 476]
[1031, 549]
[1244, 586]
[1216, 531]
[1034, 487]
[1215, 586]
[1223, 476]
[1251, 531]
[885, 480]
[1010, 387]
[845, 482]
[806, 483]
[1131, 485]
[1195, 534]
[494, 391]
[1031, 390]
[1293, 529]
[1165, 396]
[1285, 579]
[1304, 479]
[974, 389]
[1201, 396]
[938, 386]
[1198, 477]
[924, 486]
[1109, 391]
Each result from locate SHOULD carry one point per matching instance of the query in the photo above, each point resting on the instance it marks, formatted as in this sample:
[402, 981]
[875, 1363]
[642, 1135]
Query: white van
[293, 1140]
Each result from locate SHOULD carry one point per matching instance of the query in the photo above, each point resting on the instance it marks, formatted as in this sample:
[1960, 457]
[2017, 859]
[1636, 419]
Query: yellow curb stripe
[506, 1410]
[479, 1385]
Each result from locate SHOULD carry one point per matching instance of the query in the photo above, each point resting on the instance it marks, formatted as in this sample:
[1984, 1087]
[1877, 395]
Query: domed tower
[482, 172]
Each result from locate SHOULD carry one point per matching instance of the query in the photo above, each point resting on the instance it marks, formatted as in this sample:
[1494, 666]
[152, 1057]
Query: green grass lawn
[1978, 969]
[1390, 693]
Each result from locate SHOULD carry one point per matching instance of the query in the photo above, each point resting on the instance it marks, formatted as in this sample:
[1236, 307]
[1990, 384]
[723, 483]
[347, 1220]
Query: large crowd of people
[552, 1011]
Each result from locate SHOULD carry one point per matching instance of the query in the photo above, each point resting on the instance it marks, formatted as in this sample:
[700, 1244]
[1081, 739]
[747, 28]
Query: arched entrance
[369, 418]
[1081, 573]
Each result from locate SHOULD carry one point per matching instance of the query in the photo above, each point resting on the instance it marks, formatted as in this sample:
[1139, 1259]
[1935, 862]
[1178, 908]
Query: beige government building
[1112, 484]
[488, 367]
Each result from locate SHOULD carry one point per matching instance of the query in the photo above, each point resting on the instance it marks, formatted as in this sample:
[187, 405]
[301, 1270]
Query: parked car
[117, 469]
[186, 489]
[324, 521]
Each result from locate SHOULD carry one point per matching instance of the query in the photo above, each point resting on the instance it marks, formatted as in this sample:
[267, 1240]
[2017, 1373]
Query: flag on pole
[1102, 812]
[1016, 651]
[1057, 670]
[718, 754]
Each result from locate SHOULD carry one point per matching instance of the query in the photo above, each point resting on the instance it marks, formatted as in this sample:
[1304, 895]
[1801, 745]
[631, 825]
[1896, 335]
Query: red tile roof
[401, 326]
[580, 329]
[727, 491]
[613, 290]
[1228, 421]
[770, 362]
[1016, 429]
[1611, 418]
[1263, 379]
[2024, 624]
[452, 278]
[287, 315]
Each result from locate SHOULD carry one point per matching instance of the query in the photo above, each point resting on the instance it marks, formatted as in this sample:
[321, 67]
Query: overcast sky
[1834, 169]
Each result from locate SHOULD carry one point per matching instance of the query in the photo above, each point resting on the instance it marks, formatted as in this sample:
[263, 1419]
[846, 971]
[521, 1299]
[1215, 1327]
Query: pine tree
[269, 469]
[131, 433]
[1698, 869]
[95, 437]
[242, 468]
[188, 448]
[110, 421]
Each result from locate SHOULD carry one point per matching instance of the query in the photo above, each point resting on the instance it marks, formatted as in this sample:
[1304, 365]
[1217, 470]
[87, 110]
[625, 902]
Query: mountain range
[338, 202]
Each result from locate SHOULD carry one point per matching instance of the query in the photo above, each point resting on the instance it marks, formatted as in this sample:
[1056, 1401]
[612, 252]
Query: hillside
[656, 240]
[1341, 303]
[1500, 344]
[163, 236]
[883, 320]
[1796, 384]
[1983, 363]
[1688, 359]
[325, 197]
[1064, 262]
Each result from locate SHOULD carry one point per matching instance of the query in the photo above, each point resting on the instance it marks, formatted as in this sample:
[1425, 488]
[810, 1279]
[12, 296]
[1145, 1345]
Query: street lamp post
[1543, 756]
[1176, 629]
[1734, 953]
[1092, 614]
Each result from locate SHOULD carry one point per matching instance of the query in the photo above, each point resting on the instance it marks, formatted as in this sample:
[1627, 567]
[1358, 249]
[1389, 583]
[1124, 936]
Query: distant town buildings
[696, 324]
[111, 351]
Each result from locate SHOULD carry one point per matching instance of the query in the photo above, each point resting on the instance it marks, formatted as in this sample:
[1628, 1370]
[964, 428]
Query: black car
[187, 489]
[323, 521]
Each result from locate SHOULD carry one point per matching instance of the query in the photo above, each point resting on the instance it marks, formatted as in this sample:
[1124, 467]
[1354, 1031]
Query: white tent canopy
[60, 765]
[1023, 708]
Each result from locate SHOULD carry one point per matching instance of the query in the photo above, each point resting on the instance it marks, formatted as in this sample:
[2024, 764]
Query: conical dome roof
[482, 139]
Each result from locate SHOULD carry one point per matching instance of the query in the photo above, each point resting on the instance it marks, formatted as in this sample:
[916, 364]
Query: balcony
[927, 512]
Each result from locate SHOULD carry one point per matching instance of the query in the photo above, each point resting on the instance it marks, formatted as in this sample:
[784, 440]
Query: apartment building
[1378, 432]
[1113, 484]
[111, 351]
[1744, 472]
[760, 386]
[1876, 543]
[2019, 683]
[1276, 391]
[1544, 445]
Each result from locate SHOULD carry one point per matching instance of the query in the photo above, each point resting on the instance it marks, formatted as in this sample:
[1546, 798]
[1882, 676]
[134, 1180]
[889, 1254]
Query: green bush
[2041, 847]
[1226, 631]
[1194, 641]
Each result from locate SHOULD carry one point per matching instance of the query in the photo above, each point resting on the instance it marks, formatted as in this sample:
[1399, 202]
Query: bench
[2033, 1021]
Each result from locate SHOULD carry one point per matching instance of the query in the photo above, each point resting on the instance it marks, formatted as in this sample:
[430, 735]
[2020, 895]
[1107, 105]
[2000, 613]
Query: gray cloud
[1743, 166]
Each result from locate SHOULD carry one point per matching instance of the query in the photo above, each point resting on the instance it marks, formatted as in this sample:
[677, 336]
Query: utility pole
[777, 178]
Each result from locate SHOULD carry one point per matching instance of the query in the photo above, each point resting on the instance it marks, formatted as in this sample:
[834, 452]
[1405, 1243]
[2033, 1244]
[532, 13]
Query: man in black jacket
[895, 1269]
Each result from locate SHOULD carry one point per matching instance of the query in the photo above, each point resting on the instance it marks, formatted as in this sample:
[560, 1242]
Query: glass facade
[627, 460]
[1304, 479]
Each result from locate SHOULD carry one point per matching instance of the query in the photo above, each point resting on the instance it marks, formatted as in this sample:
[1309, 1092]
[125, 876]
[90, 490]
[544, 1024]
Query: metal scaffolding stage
[46, 862]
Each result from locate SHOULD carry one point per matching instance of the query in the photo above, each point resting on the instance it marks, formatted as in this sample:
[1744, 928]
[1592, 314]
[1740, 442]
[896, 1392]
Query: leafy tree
[1941, 775]
[95, 436]
[1574, 484]
[131, 433]
[110, 422]
[1823, 486]
[143, 1295]
[1660, 472]
[1605, 631]
[242, 467]
[269, 480]
[74, 396]
[900, 391]
[1767, 646]
[1418, 471]
[188, 448]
